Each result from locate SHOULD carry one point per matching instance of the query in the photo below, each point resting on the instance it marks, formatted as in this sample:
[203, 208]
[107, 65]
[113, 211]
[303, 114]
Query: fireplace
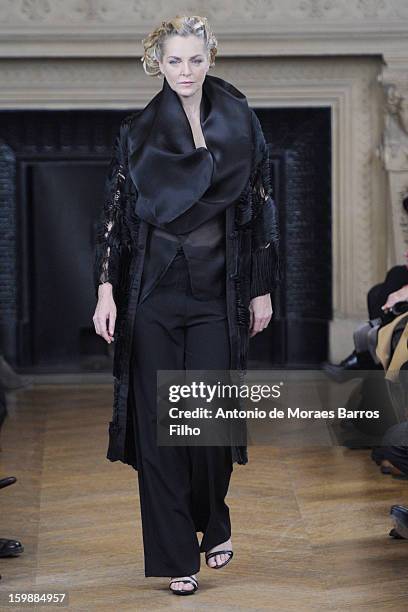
[300, 153]
[53, 166]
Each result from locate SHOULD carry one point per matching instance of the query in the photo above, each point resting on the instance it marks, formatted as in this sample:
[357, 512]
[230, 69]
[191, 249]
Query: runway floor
[309, 526]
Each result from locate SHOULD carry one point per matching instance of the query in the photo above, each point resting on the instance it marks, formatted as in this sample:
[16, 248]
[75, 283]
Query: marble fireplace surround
[349, 55]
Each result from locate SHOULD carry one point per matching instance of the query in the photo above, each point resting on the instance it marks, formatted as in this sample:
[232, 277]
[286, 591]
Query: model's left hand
[260, 310]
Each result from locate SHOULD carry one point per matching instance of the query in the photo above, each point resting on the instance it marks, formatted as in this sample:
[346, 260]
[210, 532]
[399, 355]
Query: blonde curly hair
[183, 26]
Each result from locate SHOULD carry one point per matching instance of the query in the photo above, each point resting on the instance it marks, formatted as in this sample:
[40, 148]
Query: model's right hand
[105, 313]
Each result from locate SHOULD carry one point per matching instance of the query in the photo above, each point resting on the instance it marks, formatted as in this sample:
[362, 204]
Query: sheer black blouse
[204, 250]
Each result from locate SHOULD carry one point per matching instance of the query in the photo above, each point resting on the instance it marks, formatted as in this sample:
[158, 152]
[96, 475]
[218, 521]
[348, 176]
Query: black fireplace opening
[53, 165]
[299, 141]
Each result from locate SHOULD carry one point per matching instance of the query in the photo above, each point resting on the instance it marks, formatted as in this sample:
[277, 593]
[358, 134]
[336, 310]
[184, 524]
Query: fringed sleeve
[108, 237]
[265, 265]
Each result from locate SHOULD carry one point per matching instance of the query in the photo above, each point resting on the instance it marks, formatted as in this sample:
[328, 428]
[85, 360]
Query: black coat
[252, 269]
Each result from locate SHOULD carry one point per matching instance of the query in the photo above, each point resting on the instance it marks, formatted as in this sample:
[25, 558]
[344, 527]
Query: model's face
[185, 64]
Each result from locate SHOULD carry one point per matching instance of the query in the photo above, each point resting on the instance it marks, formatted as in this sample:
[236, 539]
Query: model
[186, 259]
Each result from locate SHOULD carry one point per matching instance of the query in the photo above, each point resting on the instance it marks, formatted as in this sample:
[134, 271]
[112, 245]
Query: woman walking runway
[186, 258]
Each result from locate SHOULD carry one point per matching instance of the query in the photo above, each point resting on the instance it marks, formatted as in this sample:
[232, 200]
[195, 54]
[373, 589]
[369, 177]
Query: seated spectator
[380, 299]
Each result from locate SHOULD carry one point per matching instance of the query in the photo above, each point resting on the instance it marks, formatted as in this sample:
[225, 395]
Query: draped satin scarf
[180, 186]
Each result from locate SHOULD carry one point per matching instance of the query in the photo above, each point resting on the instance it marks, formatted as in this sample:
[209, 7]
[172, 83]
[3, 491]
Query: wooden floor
[309, 527]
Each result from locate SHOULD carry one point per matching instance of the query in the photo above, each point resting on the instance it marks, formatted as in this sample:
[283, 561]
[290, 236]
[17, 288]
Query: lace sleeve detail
[108, 237]
[265, 266]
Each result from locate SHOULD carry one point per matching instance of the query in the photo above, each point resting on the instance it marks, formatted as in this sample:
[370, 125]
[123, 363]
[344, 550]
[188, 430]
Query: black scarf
[180, 187]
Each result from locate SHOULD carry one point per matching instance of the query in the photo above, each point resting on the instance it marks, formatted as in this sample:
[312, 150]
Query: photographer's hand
[396, 296]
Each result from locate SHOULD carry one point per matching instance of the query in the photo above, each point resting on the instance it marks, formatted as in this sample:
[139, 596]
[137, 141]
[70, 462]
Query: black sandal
[188, 580]
[218, 552]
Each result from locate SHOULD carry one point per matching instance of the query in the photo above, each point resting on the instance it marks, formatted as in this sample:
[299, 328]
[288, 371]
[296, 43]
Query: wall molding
[112, 28]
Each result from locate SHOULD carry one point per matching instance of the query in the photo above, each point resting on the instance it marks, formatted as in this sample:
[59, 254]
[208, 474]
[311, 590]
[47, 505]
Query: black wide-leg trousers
[181, 488]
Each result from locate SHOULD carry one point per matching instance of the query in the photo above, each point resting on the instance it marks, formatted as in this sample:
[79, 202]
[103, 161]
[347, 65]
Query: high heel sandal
[218, 552]
[187, 580]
